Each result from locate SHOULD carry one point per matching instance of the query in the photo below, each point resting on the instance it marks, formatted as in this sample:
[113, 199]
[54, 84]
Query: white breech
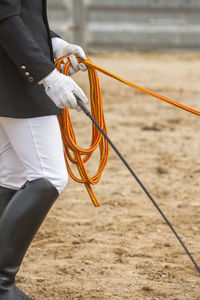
[30, 149]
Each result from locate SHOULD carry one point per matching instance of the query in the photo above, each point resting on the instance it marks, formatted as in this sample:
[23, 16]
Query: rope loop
[75, 154]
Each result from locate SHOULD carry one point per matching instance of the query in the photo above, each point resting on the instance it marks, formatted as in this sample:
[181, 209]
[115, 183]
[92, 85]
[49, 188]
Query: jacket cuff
[53, 34]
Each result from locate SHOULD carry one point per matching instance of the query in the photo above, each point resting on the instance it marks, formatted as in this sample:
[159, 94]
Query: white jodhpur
[30, 149]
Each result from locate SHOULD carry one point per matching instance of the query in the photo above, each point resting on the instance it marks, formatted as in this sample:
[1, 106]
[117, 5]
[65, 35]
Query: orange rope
[77, 155]
[187, 108]
[98, 140]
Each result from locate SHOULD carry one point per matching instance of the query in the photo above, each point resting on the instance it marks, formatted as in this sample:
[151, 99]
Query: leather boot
[5, 196]
[18, 225]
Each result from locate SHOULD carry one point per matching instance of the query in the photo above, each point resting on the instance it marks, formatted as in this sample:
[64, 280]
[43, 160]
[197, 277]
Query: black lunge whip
[86, 111]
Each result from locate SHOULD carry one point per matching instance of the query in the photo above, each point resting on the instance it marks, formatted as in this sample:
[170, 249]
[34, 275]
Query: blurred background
[128, 24]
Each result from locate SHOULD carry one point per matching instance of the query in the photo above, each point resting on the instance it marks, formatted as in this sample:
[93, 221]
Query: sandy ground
[124, 249]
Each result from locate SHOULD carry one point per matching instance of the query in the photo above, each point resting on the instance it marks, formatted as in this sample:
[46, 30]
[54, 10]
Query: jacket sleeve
[53, 34]
[19, 44]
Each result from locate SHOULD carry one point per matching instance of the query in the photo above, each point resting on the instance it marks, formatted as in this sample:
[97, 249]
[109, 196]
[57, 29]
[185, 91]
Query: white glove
[62, 48]
[62, 90]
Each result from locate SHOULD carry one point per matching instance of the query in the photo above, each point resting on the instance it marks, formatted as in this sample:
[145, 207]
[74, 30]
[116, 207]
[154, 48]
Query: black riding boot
[5, 196]
[18, 225]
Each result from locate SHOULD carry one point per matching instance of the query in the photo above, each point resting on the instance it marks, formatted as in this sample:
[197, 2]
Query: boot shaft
[19, 224]
[6, 195]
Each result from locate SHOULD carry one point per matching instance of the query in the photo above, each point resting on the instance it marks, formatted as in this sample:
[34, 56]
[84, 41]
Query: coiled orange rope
[97, 139]
[77, 155]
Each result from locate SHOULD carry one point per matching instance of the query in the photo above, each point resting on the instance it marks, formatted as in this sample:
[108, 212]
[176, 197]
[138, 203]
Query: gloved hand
[62, 48]
[62, 90]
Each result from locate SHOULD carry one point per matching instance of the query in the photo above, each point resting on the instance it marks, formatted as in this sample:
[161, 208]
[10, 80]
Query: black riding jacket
[26, 57]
